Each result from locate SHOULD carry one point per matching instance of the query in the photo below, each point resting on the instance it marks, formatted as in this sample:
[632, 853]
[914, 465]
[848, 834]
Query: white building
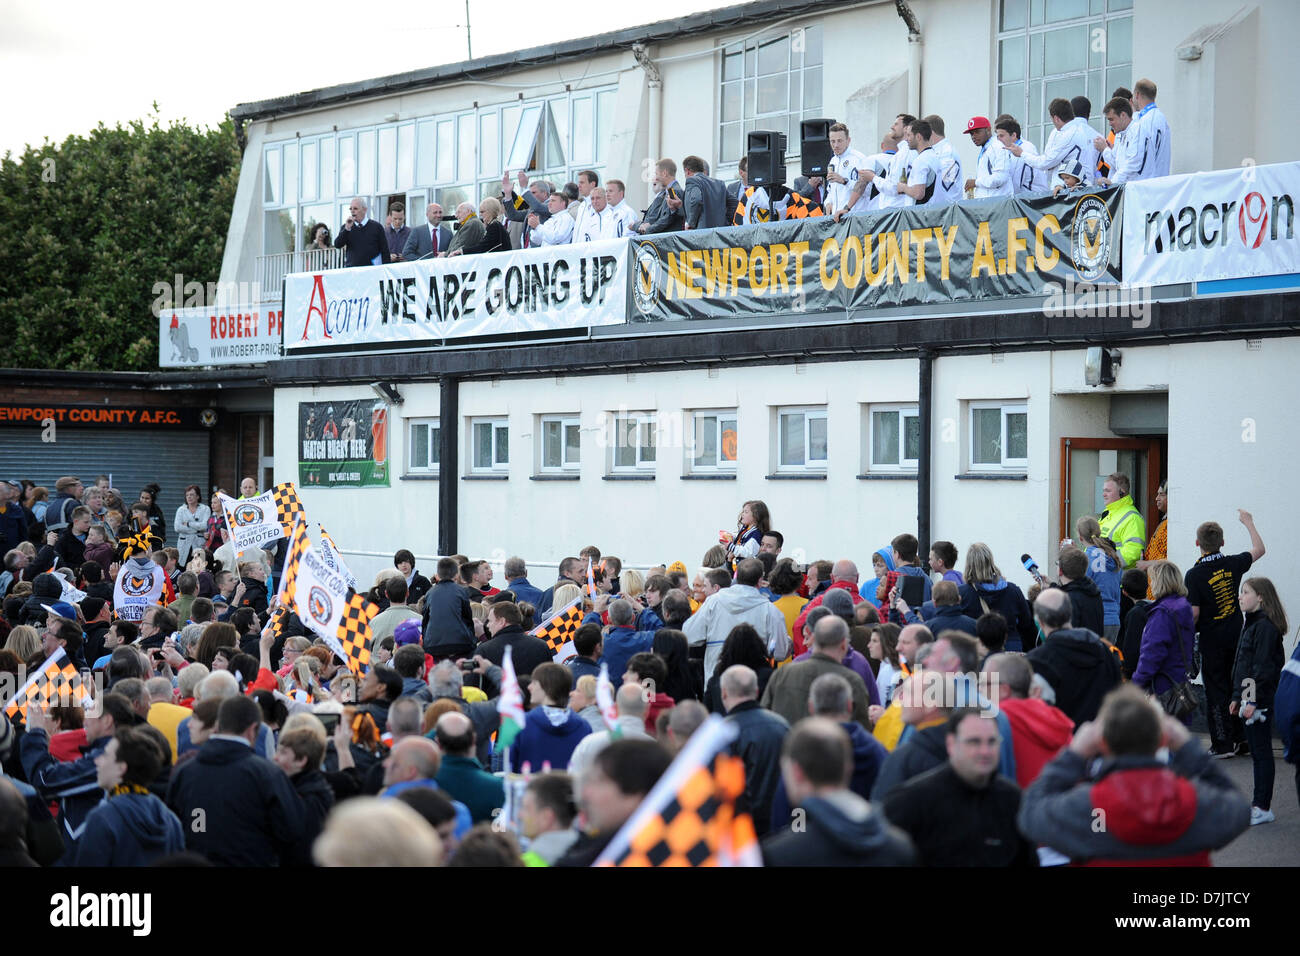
[825, 411]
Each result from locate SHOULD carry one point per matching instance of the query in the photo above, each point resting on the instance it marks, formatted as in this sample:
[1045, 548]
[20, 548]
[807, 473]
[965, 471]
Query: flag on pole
[319, 595]
[354, 633]
[56, 683]
[605, 700]
[689, 818]
[334, 558]
[558, 631]
[510, 705]
[298, 543]
[591, 582]
[253, 522]
[288, 506]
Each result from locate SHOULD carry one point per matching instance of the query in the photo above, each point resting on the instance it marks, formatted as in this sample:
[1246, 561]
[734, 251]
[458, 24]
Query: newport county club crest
[320, 605]
[645, 288]
[248, 514]
[137, 585]
[1090, 238]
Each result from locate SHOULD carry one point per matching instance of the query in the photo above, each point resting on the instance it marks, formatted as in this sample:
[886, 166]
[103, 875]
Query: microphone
[1032, 567]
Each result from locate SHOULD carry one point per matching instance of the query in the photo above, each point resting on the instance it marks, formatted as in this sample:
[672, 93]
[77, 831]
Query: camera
[468, 665]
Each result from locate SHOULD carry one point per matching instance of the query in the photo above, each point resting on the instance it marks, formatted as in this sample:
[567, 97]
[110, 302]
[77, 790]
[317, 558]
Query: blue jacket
[1105, 573]
[131, 829]
[949, 617]
[1286, 707]
[463, 819]
[581, 667]
[13, 526]
[868, 757]
[869, 588]
[450, 626]
[912, 571]
[74, 784]
[1008, 600]
[525, 591]
[649, 620]
[620, 644]
[542, 741]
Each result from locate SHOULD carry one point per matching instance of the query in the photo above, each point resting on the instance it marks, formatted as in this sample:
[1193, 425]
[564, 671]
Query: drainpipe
[925, 396]
[913, 56]
[449, 463]
[655, 82]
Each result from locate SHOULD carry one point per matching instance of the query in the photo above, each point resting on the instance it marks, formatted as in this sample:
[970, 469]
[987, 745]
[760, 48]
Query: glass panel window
[426, 152]
[525, 138]
[446, 152]
[490, 445]
[489, 162]
[775, 82]
[366, 162]
[310, 183]
[1014, 14]
[634, 441]
[405, 156]
[561, 444]
[290, 173]
[714, 441]
[884, 438]
[604, 123]
[278, 236]
[999, 436]
[986, 436]
[583, 145]
[801, 439]
[387, 159]
[895, 438]
[327, 167]
[272, 195]
[347, 166]
[425, 451]
[465, 140]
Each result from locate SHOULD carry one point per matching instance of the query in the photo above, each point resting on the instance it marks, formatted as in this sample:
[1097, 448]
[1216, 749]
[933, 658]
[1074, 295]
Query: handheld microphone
[1032, 567]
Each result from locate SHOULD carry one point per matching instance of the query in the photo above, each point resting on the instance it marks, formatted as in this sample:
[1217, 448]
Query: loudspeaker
[815, 146]
[766, 157]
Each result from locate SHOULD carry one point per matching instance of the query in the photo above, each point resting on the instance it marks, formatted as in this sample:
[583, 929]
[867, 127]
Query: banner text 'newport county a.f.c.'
[899, 257]
[435, 300]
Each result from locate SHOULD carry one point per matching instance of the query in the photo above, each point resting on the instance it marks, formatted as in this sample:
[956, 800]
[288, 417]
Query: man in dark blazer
[428, 241]
[362, 237]
[663, 215]
[706, 198]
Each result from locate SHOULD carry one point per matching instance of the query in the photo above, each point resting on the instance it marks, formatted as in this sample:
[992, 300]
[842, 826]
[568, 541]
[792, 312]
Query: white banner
[228, 335]
[319, 595]
[432, 301]
[253, 521]
[1231, 224]
[334, 559]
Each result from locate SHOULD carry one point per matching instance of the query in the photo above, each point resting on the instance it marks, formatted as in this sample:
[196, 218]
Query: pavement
[1269, 844]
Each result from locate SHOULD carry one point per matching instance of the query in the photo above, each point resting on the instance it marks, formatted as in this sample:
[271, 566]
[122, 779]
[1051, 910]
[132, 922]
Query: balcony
[271, 270]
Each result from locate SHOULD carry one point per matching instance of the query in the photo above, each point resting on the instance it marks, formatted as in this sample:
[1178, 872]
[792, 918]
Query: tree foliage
[95, 222]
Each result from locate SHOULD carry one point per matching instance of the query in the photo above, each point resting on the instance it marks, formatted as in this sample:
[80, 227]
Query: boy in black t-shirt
[1213, 583]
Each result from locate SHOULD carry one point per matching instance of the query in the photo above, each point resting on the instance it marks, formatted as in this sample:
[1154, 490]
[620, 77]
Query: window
[999, 436]
[491, 445]
[801, 439]
[895, 438]
[713, 446]
[423, 449]
[1065, 48]
[561, 444]
[635, 441]
[770, 82]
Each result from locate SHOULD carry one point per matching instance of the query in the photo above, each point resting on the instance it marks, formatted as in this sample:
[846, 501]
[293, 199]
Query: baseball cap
[977, 122]
[61, 609]
[14, 482]
[408, 632]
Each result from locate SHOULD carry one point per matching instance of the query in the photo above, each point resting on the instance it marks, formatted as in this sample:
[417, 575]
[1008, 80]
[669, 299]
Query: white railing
[271, 270]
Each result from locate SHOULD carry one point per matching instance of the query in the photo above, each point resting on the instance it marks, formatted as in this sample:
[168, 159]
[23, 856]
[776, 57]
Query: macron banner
[433, 301]
[894, 257]
[1230, 224]
[230, 335]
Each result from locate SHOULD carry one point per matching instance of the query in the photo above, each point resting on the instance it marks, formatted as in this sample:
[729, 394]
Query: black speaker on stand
[815, 146]
[765, 150]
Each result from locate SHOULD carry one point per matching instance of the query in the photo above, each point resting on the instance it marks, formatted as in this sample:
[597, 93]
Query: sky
[72, 65]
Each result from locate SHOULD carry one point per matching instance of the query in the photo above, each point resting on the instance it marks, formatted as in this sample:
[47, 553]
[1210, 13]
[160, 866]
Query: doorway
[1085, 463]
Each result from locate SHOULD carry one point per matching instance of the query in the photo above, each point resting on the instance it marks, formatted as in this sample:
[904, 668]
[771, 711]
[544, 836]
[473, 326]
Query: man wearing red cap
[993, 168]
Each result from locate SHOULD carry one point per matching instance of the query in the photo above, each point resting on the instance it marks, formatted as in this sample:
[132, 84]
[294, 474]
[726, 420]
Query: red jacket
[797, 636]
[1038, 733]
[66, 745]
[660, 703]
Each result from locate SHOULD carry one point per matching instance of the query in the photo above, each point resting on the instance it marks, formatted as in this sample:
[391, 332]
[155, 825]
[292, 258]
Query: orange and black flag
[690, 817]
[298, 543]
[355, 638]
[558, 631]
[800, 207]
[288, 506]
[56, 684]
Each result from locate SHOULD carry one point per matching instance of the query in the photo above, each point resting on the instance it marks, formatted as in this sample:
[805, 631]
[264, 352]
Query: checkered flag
[559, 630]
[354, 633]
[689, 818]
[298, 543]
[57, 683]
[288, 506]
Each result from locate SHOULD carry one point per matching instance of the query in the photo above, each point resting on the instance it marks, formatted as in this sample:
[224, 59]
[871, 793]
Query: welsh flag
[510, 705]
[605, 700]
[591, 581]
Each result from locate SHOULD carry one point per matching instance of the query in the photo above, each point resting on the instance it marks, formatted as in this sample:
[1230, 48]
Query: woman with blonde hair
[987, 590]
[1169, 636]
[1104, 569]
[631, 583]
[495, 238]
[23, 641]
[1255, 677]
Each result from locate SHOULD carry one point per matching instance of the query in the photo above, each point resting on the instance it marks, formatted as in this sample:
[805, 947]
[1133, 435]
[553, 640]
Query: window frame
[642, 465]
[432, 424]
[810, 413]
[1007, 407]
[565, 467]
[904, 411]
[749, 117]
[496, 467]
[721, 467]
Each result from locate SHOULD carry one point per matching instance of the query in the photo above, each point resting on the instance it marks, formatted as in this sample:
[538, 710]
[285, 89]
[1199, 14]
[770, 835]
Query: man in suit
[396, 231]
[662, 217]
[705, 198]
[428, 241]
[471, 229]
[362, 237]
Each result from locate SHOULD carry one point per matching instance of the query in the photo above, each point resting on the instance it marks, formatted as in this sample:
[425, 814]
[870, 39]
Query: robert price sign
[229, 335]
[436, 301]
[1231, 224]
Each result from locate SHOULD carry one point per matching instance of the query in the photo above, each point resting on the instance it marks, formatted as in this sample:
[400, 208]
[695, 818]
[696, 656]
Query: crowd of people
[915, 165]
[926, 715]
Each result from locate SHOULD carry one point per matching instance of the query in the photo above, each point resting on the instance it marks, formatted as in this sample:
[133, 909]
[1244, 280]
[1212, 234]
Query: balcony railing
[271, 270]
